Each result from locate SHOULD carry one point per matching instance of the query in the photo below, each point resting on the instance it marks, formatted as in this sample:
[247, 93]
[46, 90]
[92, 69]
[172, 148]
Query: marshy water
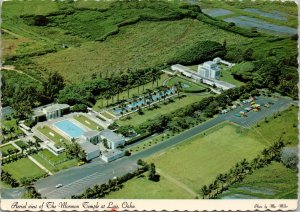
[245, 21]
[281, 16]
[252, 193]
[249, 22]
[217, 12]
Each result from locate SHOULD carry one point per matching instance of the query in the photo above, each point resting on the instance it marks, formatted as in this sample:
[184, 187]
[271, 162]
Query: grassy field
[142, 37]
[23, 168]
[57, 138]
[54, 159]
[145, 44]
[107, 115]
[272, 182]
[228, 77]
[146, 144]
[217, 151]
[187, 85]
[201, 158]
[164, 189]
[284, 125]
[87, 122]
[21, 143]
[11, 124]
[7, 147]
[132, 92]
[138, 46]
[137, 119]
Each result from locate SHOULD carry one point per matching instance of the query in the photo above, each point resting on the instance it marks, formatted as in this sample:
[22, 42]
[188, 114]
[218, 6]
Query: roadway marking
[82, 180]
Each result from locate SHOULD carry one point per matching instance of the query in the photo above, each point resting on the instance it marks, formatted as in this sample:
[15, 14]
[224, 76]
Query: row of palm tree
[148, 97]
[116, 88]
[8, 179]
[14, 154]
[241, 170]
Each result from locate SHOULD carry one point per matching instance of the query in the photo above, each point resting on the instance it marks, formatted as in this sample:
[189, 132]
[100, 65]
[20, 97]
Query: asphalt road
[77, 179]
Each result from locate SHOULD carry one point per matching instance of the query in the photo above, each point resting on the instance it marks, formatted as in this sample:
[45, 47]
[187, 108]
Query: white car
[58, 185]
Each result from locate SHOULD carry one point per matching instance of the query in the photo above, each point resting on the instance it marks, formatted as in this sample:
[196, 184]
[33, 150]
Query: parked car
[58, 185]
[238, 115]
[80, 163]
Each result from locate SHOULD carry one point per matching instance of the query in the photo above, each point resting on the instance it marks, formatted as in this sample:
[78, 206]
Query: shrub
[79, 108]
[289, 157]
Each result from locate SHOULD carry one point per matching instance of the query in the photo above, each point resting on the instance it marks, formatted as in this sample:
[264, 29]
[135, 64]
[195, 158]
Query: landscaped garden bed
[52, 135]
[87, 122]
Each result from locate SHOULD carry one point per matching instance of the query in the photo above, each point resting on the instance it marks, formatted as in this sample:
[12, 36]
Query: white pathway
[39, 165]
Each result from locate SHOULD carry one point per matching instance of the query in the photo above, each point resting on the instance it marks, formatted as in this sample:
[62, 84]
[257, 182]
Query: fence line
[49, 161]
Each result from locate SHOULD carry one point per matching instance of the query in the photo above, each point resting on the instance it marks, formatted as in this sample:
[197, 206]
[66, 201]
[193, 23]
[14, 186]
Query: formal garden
[54, 163]
[52, 135]
[87, 122]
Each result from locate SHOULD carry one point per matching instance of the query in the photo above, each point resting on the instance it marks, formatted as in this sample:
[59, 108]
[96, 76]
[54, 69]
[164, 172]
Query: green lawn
[204, 156]
[21, 143]
[146, 144]
[107, 115]
[201, 158]
[285, 124]
[56, 138]
[7, 147]
[54, 159]
[164, 189]
[23, 168]
[272, 182]
[137, 119]
[228, 77]
[186, 84]
[87, 122]
[11, 124]
[132, 92]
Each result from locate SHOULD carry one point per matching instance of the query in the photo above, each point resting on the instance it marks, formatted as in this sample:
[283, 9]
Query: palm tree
[178, 87]
[164, 88]
[149, 97]
[107, 97]
[204, 191]
[139, 82]
[245, 165]
[155, 76]
[255, 163]
[215, 186]
[222, 179]
[210, 190]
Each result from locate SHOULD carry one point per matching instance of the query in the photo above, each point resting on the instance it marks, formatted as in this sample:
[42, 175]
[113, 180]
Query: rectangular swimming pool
[69, 128]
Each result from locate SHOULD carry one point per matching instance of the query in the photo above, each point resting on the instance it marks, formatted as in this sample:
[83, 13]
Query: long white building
[196, 76]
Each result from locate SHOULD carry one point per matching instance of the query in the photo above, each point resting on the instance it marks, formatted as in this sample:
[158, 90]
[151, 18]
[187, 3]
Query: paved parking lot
[253, 117]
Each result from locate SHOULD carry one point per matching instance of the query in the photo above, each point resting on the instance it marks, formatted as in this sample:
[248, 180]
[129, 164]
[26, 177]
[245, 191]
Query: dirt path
[12, 68]
[11, 33]
[176, 182]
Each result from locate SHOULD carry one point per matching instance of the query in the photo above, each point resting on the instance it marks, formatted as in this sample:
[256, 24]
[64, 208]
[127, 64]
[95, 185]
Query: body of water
[217, 12]
[69, 128]
[273, 15]
[245, 21]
